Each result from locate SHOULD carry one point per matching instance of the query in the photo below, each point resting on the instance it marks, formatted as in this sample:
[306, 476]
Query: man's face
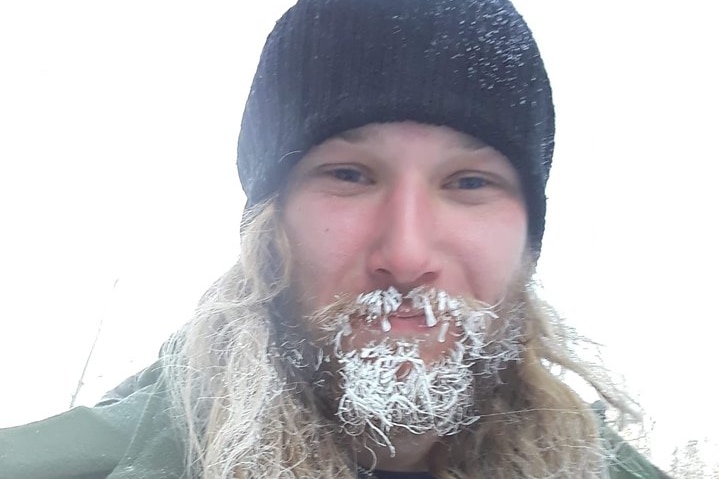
[404, 205]
[402, 237]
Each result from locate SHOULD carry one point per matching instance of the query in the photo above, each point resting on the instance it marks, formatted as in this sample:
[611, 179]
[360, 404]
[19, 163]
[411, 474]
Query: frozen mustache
[379, 304]
[477, 321]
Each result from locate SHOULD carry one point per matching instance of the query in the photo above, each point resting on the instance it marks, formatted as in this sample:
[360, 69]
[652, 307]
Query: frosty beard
[384, 387]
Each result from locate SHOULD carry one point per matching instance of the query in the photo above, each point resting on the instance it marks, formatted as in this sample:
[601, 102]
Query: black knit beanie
[333, 65]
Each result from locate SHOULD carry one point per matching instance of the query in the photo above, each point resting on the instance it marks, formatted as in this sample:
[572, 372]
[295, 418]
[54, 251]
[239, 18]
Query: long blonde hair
[243, 414]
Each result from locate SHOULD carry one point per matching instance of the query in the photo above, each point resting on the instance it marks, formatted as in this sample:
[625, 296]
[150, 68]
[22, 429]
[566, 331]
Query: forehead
[410, 131]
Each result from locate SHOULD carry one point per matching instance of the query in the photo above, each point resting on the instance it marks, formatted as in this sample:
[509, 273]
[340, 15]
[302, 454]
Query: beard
[386, 386]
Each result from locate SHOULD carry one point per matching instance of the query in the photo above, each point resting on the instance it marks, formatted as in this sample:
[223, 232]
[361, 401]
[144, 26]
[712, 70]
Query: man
[381, 321]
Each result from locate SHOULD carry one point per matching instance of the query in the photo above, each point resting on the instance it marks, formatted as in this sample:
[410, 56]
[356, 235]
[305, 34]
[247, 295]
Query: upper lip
[406, 311]
[408, 315]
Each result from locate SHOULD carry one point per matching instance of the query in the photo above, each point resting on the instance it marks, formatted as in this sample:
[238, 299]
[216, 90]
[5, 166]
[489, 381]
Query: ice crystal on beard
[379, 303]
[388, 387]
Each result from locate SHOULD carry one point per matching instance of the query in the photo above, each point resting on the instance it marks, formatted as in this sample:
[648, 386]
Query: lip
[405, 329]
[408, 320]
[406, 310]
[408, 314]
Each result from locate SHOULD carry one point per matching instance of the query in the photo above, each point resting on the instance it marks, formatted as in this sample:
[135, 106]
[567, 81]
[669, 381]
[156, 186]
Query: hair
[243, 413]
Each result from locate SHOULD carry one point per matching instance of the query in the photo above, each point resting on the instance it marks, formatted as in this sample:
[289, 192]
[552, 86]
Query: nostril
[384, 278]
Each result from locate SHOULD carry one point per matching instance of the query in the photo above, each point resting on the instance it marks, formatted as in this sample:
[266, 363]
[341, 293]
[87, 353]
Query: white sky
[118, 125]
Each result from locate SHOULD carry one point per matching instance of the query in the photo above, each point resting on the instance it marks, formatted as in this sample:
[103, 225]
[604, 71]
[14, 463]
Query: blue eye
[347, 174]
[471, 182]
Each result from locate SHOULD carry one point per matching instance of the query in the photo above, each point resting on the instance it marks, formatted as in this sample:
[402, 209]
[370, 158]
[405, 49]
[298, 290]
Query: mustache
[433, 303]
[381, 306]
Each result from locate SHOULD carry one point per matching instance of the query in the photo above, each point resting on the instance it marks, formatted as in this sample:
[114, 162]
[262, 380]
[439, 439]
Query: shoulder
[625, 462]
[96, 442]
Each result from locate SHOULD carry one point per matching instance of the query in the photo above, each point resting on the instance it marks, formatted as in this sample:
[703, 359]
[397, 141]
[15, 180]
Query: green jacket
[129, 439]
[133, 438]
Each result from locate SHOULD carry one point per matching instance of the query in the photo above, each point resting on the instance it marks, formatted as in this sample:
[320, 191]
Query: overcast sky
[118, 126]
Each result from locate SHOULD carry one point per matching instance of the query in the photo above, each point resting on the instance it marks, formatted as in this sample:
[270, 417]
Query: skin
[404, 205]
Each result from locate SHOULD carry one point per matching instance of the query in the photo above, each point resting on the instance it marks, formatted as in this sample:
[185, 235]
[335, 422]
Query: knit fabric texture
[332, 65]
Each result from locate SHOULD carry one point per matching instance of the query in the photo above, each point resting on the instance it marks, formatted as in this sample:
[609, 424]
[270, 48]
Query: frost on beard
[386, 385]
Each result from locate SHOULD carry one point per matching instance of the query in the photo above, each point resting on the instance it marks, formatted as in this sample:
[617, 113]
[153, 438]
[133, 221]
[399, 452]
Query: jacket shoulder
[82, 443]
[625, 462]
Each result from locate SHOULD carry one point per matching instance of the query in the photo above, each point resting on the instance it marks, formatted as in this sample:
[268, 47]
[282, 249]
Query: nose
[404, 254]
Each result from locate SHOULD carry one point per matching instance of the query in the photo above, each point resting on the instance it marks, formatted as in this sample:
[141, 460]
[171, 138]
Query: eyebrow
[472, 143]
[353, 136]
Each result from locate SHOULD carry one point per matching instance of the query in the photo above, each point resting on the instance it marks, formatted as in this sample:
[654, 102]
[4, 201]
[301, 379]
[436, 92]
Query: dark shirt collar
[401, 475]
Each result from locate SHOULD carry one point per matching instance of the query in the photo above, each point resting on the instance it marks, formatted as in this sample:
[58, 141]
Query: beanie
[332, 65]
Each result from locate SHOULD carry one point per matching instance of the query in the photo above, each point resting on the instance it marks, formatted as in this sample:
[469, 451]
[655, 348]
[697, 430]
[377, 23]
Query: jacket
[134, 438]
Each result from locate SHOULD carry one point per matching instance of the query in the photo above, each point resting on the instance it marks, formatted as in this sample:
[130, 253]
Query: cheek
[493, 252]
[325, 248]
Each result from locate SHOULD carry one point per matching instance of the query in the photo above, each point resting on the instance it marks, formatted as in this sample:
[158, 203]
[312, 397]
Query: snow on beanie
[332, 65]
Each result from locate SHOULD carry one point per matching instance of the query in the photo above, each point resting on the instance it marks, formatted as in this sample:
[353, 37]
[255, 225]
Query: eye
[467, 181]
[347, 174]
[474, 187]
[471, 182]
[351, 175]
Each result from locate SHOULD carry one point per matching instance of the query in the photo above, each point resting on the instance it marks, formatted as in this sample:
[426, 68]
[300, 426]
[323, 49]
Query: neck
[411, 453]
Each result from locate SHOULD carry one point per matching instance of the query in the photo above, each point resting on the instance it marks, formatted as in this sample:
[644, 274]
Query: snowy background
[118, 126]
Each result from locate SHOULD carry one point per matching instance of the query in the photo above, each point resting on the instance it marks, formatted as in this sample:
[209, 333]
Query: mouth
[407, 316]
[408, 321]
[412, 318]
[415, 322]
[423, 316]
[410, 313]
